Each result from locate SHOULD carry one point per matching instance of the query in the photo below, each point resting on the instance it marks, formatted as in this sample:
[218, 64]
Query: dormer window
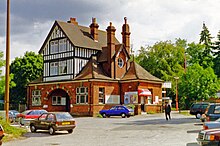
[120, 62]
[57, 46]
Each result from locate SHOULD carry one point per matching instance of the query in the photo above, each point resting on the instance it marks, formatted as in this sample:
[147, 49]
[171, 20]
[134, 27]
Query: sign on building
[130, 97]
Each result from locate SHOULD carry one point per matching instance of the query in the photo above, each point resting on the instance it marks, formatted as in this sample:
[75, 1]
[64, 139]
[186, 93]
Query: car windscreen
[63, 116]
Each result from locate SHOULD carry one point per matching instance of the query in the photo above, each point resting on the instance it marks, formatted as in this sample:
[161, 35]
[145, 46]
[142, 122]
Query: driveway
[141, 130]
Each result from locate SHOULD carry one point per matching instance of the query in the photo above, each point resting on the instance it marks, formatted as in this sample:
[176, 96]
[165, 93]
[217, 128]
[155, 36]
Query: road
[141, 130]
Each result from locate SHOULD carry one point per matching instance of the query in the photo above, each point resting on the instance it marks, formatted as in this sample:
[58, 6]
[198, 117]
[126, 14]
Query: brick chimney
[111, 49]
[94, 29]
[126, 35]
[73, 21]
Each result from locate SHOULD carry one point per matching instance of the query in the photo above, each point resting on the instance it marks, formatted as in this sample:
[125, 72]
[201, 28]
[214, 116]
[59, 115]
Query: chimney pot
[73, 21]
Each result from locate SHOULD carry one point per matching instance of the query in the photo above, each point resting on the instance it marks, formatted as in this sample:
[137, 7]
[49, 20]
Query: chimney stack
[73, 21]
[126, 35]
[94, 29]
[111, 48]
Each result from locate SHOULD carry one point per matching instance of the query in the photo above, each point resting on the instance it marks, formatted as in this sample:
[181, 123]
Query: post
[177, 106]
[7, 63]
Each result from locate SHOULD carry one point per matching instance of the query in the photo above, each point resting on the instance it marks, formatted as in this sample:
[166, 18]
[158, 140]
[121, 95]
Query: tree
[216, 48]
[25, 69]
[199, 85]
[205, 39]
[164, 60]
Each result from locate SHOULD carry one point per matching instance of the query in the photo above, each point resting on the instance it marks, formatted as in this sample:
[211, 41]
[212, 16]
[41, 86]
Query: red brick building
[87, 69]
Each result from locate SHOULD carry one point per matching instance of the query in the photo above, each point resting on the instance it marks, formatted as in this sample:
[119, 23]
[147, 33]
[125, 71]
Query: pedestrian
[167, 110]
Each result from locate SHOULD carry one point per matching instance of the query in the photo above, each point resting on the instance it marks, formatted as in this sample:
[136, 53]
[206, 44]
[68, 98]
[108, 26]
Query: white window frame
[62, 67]
[36, 98]
[62, 45]
[101, 95]
[58, 100]
[54, 68]
[120, 62]
[54, 47]
[81, 95]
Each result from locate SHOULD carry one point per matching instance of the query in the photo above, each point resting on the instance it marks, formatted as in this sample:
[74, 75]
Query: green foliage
[11, 132]
[164, 60]
[25, 69]
[205, 39]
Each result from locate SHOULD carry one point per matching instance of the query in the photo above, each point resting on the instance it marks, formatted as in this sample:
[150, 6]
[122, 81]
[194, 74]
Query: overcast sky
[150, 20]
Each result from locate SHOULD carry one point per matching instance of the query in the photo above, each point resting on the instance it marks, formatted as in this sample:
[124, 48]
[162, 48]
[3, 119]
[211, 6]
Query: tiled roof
[80, 36]
[92, 70]
[137, 72]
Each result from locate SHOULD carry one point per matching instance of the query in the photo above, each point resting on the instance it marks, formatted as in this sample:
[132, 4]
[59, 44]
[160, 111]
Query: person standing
[167, 110]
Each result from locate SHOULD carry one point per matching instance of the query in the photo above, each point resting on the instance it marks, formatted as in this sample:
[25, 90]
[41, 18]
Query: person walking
[167, 110]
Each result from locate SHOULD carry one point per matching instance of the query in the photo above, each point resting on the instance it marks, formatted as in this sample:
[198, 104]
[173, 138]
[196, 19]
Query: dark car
[53, 121]
[118, 110]
[209, 137]
[198, 109]
[212, 112]
[28, 115]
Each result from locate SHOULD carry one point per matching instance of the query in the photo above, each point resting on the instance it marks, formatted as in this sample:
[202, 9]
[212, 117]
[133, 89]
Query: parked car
[198, 109]
[12, 115]
[209, 137]
[1, 134]
[28, 115]
[211, 124]
[212, 112]
[118, 110]
[53, 121]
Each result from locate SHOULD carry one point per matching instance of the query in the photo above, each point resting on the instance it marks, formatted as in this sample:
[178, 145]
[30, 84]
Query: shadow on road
[193, 131]
[160, 121]
[192, 144]
[43, 134]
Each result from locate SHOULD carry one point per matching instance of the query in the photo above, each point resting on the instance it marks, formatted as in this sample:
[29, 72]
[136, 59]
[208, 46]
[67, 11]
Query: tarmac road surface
[141, 130]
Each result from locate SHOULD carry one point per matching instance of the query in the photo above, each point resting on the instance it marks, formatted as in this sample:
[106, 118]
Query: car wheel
[51, 130]
[123, 115]
[22, 121]
[198, 116]
[104, 115]
[33, 128]
[70, 131]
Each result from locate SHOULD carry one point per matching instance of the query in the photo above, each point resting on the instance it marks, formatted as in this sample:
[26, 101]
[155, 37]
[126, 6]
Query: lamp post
[176, 78]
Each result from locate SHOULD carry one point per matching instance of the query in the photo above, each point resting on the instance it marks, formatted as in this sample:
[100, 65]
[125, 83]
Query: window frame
[120, 62]
[101, 95]
[36, 98]
[82, 95]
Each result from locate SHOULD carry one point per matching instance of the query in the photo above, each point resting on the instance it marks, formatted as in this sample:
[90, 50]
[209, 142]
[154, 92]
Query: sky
[150, 21]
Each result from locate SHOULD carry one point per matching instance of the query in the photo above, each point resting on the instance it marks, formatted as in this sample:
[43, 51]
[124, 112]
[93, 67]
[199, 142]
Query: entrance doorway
[143, 100]
[59, 100]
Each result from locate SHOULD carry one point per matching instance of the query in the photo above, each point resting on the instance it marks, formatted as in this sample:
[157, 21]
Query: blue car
[118, 110]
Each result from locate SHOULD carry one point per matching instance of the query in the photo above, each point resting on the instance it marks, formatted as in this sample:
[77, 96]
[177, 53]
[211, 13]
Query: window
[54, 68]
[57, 46]
[62, 67]
[62, 45]
[149, 100]
[54, 47]
[36, 98]
[120, 62]
[81, 95]
[58, 100]
[102, 95]
[58, 68]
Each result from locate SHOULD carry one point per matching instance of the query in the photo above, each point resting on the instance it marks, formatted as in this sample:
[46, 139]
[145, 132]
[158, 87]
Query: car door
[112, 111]
[40, 121]
[49, 120]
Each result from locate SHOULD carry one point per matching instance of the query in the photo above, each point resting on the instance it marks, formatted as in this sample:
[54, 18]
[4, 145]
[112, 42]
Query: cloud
[150, 20]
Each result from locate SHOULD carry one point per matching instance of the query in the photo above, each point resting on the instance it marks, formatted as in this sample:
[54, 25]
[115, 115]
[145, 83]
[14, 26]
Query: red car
[28, 115]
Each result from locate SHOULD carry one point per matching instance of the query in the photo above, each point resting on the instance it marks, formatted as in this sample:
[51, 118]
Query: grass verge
[11, 132]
